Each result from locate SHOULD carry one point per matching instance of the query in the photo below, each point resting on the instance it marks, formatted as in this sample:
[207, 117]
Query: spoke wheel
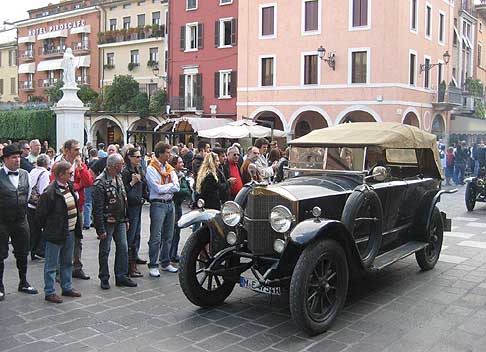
[428, 257]
[201, 287]
[470, 197]
[319, 286]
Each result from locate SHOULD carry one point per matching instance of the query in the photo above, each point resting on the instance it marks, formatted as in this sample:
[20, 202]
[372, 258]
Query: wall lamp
[331, 61]
[428, 67]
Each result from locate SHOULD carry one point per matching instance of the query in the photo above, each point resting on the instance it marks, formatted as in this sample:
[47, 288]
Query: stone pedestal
[70, 112]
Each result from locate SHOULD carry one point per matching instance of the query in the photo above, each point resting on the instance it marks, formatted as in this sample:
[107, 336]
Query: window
[134, 57]
[156, 18]
[412, 68]
[141, 20]
[311, 16]
[126, 6]
[126, 22]
[225, 2]
[311, 74]
[427, 73]
[267, 72]
[222, 84]
[190, 90]
[12, 57]
[225, 32]
[268, 21]
[359, 67]
[428, 21]
[113, 24]
[191, 37]
[481, 27]
[154, 55]
[1, 86]
[413, 15]
[191, 5]
[480, 50]
[110, 59]
[13, 86]
[441, 27]
[359, 13]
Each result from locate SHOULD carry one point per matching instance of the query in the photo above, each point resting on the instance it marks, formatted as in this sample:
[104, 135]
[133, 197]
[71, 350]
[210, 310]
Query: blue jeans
[133, 234]
[177, 234]
[88, 205]
[161, 231]
[61, 255]
[117, 232]
[459, 169]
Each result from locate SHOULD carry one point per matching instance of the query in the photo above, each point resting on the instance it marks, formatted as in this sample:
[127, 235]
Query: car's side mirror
[379, 173]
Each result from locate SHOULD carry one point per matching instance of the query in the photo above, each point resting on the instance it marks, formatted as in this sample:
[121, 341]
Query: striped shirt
[71, 208]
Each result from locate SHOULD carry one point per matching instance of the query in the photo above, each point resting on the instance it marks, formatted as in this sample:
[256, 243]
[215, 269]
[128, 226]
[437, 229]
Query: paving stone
[204, 332]
[293, 343]
[219, 342]
[327, 345]
[348, 336]
[260, 342]
[249, 329]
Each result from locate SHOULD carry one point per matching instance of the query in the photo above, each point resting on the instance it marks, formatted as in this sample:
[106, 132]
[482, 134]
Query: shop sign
[57, 27]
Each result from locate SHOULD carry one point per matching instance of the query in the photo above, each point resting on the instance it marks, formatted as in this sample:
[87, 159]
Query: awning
[50, 65]
[467, 125]
[190, 124]
[84, 61]
[241, 129]
[29, 39]
[54, 34]
[27, 68]
[82, 29]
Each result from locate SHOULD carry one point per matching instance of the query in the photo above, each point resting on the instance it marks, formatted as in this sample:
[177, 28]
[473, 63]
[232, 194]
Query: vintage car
[475, 189]
[358, 198]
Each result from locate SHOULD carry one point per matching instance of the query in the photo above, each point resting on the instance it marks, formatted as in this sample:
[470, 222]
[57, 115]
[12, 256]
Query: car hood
[305, 187]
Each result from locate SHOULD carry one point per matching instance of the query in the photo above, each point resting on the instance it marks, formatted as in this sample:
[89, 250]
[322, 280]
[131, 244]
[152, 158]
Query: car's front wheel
[428, 257]
[470, 196]
[200, 286]
[319, 286]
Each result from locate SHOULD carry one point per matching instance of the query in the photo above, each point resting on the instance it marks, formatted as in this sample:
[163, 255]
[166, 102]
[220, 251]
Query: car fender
[197, 216]
[308, 231]
[434, 202]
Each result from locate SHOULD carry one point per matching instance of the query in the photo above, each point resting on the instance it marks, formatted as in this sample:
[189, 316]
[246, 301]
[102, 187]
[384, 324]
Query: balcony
[27, 55]
[137, 33]
[52, 51]
[448, 99]
[27, 86]
[47, 82]
[187, 103]
[80, 48]
[82, 81]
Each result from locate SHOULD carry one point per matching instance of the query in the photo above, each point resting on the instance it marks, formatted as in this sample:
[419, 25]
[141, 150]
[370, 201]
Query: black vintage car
[475, 189]
[359, 197]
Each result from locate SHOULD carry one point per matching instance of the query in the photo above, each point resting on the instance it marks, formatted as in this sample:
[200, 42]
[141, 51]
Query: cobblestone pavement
[399, 309]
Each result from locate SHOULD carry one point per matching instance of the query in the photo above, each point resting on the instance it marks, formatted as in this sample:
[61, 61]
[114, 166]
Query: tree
[140, 103]
[85, 93]
[54, 93]
[120, 95]
[88, 96]
[158, 101]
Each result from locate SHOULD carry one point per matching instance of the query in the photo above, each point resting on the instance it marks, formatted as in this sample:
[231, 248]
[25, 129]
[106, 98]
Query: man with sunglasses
[231, 169]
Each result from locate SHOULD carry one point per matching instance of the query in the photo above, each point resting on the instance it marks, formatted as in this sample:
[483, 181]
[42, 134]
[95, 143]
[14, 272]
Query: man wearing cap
[14, 193]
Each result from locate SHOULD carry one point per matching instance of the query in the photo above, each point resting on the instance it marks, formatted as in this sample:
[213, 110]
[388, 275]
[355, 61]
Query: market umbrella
[241, 129]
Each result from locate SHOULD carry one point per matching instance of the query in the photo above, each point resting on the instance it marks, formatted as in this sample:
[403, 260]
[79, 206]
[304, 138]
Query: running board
[388, 258]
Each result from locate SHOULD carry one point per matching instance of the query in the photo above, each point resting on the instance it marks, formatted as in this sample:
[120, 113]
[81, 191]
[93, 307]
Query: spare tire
[363, 217]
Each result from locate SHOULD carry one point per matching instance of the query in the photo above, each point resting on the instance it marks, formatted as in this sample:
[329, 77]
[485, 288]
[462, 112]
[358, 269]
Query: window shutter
[198, 90]
[182, 88]
[216, 84]
[234, 31]
[233, 84]
[200, 36]
[216, 34]
[183, 38]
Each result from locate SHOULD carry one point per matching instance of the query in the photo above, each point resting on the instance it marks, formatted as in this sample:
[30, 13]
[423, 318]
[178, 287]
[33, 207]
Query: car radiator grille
[259, 232]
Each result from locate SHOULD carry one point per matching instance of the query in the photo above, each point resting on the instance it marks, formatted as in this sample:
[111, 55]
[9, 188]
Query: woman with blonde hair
[207, 185]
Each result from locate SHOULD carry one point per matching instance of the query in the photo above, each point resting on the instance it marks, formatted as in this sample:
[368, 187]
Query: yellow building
[8, 66]
[132, 42]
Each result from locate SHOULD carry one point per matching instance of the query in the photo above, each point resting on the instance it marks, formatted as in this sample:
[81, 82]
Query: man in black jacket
[111, 222]
[14, 193]
[57, 213]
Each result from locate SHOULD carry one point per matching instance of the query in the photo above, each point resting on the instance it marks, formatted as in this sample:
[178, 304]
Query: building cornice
[73, 13]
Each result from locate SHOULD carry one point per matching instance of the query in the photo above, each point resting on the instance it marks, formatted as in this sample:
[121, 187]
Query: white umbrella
[241, 129]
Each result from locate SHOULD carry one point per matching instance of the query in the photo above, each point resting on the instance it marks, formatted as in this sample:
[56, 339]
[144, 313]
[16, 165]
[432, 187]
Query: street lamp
[331, 61]
[427, 67]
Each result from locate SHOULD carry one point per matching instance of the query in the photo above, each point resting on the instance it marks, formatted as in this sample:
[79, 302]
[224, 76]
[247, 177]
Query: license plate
[255, 286]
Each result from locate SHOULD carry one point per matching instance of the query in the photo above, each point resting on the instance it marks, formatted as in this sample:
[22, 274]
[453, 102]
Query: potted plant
[132, 65]
[151, 63]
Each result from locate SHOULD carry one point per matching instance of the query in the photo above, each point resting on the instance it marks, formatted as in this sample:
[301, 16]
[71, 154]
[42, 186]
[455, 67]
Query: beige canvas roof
[381, 134]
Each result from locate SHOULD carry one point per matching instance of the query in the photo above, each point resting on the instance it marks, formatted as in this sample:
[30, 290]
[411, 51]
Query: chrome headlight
[280, 219]
[231, 213]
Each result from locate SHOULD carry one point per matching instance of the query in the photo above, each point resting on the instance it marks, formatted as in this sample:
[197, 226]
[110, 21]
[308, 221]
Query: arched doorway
[269, 119]
[357, 116]
[411, 119]
[108, 132]
[438, 126]
[308, 121]
[141, 132]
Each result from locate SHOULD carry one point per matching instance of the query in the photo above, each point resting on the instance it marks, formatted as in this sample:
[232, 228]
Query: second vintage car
[358, 198]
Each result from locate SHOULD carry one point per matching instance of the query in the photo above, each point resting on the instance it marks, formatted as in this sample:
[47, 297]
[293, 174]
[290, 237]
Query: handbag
[34, 194]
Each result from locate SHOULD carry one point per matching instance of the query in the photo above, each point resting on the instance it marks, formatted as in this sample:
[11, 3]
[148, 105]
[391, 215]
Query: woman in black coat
[208, 186]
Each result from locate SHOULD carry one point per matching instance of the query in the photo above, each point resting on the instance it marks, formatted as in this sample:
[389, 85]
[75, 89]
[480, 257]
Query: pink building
[203, 57]
[383, 61]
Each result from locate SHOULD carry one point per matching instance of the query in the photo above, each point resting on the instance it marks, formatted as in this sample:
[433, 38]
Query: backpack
[34, 194]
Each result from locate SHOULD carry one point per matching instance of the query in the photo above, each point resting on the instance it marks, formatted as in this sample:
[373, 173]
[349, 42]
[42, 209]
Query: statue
[69, 65]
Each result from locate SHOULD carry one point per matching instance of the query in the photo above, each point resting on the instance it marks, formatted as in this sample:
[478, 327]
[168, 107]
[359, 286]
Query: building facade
[321, 63]
[43, 40]
[132, 42]
[8, 66]
[203, 47]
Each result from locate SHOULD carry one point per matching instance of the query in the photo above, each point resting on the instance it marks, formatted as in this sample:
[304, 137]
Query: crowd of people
[47, 200]
[459, 160]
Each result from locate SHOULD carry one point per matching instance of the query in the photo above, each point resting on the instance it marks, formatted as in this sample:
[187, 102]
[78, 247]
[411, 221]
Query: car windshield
[327, 158]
